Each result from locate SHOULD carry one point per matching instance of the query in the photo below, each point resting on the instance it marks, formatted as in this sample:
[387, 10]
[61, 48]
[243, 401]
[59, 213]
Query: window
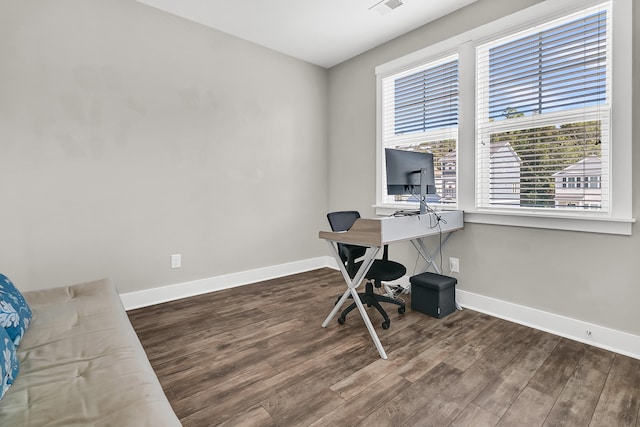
[593, 182]
[420, 108]
[543, 102]
[538, 131]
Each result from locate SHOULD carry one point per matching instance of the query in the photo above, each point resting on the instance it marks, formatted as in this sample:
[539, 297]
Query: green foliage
[439, 149]
[543, 151]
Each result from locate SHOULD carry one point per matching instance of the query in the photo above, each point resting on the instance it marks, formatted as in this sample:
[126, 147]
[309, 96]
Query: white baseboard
[597, 336]
[162, 294]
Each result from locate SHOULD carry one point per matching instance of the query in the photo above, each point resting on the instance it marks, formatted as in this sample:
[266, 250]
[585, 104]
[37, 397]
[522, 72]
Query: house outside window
[583, 190]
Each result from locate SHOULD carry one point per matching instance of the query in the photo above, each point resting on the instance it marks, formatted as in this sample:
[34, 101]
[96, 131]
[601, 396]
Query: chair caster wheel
[341, 320]
[401, 310]
[385, 325]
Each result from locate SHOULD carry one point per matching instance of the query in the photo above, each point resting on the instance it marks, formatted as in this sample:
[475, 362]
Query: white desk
[374, 233]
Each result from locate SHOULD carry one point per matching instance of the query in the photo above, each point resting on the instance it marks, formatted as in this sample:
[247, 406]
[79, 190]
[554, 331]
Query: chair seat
[384, 271]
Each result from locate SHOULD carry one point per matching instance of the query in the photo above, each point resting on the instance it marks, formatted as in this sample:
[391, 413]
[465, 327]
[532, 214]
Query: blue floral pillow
[15, 314]
[8, 362]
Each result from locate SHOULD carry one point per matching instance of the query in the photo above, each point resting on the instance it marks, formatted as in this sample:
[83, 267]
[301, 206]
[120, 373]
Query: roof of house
[591, 165]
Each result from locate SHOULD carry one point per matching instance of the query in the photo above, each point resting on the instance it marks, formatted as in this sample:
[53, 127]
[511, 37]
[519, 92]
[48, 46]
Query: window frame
[618, 220]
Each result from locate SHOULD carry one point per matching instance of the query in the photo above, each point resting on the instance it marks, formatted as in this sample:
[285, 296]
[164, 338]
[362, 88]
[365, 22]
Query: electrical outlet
[454, 265]
[176, 261]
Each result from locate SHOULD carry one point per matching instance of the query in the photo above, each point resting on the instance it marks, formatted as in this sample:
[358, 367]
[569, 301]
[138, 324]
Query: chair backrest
[342, 220]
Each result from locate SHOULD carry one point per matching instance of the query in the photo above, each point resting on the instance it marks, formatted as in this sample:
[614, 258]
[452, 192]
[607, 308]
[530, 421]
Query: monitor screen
[403, 171]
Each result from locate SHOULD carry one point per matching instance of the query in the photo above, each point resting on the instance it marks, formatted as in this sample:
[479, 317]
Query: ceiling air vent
[386, 6]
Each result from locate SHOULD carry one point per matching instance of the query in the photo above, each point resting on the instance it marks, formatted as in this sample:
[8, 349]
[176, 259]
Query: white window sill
[550, 221]
[557, 221]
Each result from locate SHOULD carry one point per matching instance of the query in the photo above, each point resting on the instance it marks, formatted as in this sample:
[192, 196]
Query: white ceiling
[323, 32]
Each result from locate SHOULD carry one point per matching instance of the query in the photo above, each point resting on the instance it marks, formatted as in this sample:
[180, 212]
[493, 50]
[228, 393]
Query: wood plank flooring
[257, 356]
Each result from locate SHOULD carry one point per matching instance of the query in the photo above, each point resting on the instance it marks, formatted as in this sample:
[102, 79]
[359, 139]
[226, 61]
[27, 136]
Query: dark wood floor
[256, 355]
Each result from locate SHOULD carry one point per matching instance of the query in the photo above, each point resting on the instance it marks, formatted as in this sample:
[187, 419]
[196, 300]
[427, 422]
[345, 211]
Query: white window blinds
[427, 99]
[420, 112]
[543, 116]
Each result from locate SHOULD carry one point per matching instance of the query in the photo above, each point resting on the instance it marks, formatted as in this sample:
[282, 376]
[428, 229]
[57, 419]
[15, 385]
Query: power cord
[435, 220]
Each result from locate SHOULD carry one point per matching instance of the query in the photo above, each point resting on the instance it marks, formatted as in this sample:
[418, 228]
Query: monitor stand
[423, 191]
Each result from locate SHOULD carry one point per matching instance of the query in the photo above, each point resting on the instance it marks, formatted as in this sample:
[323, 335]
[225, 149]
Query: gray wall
[128, 134]
[584, 276]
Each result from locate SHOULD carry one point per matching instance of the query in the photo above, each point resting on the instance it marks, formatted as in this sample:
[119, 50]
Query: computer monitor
[410, 172]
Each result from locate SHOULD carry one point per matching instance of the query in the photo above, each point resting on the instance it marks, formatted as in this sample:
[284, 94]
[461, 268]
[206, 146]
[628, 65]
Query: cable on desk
[438, 220]
[435, 220]
[405, 213]
[433, 217]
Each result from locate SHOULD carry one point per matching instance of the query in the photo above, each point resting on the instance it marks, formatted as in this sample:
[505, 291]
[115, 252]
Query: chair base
[371, 299]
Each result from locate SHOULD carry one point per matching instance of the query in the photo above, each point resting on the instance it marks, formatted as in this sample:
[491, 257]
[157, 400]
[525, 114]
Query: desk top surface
[384, 230]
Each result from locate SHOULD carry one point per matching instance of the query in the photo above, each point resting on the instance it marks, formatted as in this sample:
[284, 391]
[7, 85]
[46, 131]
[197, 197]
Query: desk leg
[424, 253]
[369, 325]
[428, 257]
[351, 283]
[351, 290]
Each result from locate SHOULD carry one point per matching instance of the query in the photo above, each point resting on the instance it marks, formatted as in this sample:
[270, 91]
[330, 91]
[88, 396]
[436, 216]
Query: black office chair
[382, 270]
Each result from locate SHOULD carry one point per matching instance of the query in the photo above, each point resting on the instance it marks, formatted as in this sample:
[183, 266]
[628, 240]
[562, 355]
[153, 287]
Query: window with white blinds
[529, 117]
[543, 113]
[420, 113]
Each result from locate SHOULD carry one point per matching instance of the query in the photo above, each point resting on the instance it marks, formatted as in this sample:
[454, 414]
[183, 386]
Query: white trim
[600, 336]
[605, 225]
[621, 186]
[147, 297]
[549, 221]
